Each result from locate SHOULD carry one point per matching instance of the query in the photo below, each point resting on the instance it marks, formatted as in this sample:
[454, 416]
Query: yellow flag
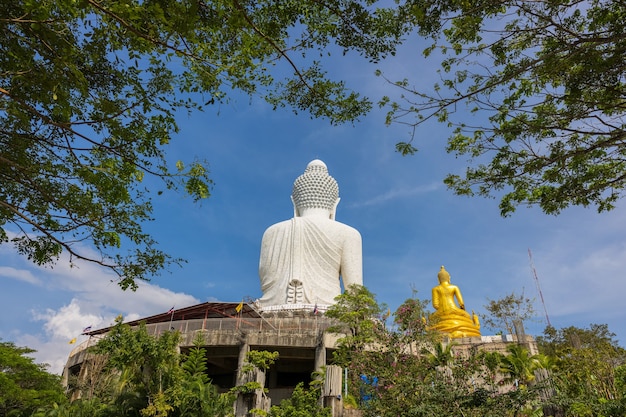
[71, 342]
[239, 307]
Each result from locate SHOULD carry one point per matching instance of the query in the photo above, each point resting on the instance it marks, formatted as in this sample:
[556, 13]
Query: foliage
[441, 356]
[408, 371]
[154, 379]
[158, 406]
[24, 385]
[357, 311]
[410, 317]
[506, 311]
[261, 359]
[544, 83]
[256, 360]
[90, 91]
[587, 363]
[150, 363]
[78, 408]
[203, 400]
[359, 321]
[197, 396]
[144, 375]
[302, 403]
[519, 365]
[194, 363]
[580, 372]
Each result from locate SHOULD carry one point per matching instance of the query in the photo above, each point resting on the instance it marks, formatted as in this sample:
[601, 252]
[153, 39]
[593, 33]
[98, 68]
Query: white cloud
[97, 309]
[96, 290]
[95, 301]
[68, 321]
[398, 193]
[19, 274]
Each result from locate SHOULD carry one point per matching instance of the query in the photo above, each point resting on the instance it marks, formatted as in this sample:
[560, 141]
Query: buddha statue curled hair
[315, 188]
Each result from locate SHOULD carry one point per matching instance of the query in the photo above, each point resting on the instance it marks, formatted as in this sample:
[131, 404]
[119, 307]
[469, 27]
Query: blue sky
[410, 224]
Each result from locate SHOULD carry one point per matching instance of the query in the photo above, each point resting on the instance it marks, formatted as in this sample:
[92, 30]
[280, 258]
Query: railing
[279, 325]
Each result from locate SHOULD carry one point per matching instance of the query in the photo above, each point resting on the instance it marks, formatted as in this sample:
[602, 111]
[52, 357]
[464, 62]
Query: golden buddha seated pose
[448, 317]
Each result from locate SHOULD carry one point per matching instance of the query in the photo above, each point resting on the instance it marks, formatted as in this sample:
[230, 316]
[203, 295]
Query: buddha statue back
[304, 259]
[450, 318]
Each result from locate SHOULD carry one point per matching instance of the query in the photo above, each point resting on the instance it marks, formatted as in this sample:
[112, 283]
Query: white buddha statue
[304, 258]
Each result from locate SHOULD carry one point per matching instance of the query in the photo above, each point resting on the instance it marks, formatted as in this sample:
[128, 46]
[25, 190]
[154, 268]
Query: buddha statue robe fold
[304, 258]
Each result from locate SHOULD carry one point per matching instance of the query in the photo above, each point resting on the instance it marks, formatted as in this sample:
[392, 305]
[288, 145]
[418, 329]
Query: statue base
[294, 309]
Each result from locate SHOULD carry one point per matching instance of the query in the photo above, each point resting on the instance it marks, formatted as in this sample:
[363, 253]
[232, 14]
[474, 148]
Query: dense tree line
[131, 373]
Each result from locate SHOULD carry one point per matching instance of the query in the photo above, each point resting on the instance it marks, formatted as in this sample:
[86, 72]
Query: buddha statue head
[315, 190]
[443, 275]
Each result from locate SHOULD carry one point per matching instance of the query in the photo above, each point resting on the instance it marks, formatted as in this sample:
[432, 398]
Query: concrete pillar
[320, 355]
[256, 399]
[243, 351]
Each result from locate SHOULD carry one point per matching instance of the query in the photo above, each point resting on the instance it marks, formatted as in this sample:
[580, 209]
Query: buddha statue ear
[296, 213]
[333, 211]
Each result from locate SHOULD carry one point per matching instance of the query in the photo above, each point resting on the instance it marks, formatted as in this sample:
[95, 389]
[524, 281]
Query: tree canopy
[149, 377]
[544, 82]
[504, 312]
[89, 92]
[587, 371]
[25, 385]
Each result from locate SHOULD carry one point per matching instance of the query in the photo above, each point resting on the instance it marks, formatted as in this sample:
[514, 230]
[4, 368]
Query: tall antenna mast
[532, 266]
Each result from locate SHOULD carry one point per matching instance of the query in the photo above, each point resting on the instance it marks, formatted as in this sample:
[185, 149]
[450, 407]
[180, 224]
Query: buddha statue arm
[459, 298]
[352, 259]
[436, 301]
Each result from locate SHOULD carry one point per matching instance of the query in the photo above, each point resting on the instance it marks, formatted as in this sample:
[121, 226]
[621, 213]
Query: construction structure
[230, 330]
[300, 337]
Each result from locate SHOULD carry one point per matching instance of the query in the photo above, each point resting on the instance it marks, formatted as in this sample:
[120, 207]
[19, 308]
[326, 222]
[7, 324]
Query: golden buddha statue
[448, 317]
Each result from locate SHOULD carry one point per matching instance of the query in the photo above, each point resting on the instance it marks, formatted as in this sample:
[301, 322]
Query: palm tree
[442, 356]
[441, 359]
[519, 365]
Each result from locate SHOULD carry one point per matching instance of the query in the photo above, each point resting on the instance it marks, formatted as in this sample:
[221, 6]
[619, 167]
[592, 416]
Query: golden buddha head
[443, 275]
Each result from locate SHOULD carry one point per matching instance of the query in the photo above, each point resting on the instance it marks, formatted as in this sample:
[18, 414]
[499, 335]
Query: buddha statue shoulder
[304, 259]
[449, 317]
